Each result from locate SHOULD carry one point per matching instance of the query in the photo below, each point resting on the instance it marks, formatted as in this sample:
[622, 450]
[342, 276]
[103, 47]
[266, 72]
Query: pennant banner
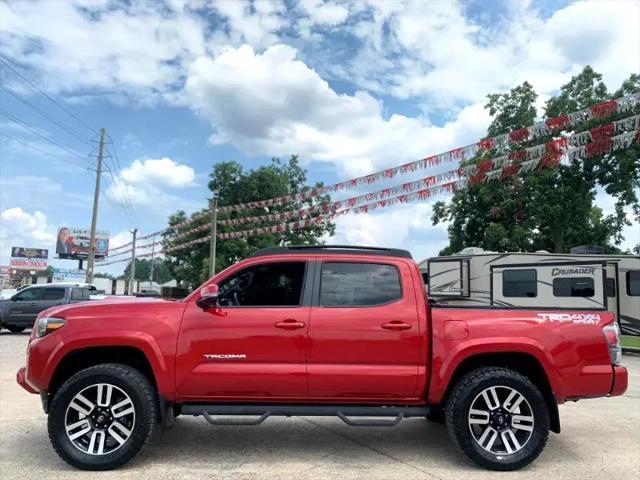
[549, 160]
[500, 142]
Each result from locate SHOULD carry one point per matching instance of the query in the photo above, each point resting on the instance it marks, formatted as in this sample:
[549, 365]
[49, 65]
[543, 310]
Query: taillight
[612, 334]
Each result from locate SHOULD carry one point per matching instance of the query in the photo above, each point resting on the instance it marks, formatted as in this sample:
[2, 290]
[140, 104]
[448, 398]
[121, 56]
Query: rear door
[364, 338]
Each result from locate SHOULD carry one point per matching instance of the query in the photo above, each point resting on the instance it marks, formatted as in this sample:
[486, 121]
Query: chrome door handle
[289, 324]
[396, 325]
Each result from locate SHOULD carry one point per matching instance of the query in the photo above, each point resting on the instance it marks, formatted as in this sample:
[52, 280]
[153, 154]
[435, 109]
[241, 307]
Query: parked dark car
[147, 292]
[20, 311]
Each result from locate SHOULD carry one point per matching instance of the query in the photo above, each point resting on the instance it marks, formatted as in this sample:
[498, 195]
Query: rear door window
[345, 284]
[51, 294]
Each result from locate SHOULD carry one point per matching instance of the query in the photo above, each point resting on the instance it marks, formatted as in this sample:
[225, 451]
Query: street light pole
[214, 231]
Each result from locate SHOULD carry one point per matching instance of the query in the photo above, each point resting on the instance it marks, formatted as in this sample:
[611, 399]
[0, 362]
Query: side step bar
[264, 411]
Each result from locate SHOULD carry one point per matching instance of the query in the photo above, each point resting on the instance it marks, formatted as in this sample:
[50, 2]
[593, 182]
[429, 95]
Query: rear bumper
[22, 380]
[620, 381]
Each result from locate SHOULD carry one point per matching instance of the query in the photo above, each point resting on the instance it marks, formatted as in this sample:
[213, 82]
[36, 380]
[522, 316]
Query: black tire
[141, 394]
[436, 415]
[468, 389]
[14, 329]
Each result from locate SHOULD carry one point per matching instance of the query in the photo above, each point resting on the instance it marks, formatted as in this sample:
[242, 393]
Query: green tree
[161, 273]
[190, 266]
[551, 209]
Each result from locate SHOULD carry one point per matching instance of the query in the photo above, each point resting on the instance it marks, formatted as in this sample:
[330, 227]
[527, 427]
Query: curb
[631, 350]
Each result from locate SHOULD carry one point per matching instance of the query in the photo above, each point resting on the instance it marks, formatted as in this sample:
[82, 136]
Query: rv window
[611, 287]
[519, 283]
[573, 287]
[633, 283]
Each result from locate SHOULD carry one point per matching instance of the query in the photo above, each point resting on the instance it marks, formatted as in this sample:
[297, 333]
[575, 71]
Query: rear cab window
[53, 293]
[352, 284]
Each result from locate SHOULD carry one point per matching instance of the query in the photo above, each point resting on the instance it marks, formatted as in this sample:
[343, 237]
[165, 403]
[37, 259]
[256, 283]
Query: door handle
[396, 325]
[289, 324]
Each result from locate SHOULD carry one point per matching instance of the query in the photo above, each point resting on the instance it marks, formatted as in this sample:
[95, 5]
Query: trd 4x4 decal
[585, 318]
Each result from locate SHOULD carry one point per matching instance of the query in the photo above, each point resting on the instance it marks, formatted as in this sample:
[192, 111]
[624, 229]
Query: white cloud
[324, 12]
[150, 183]
[274, 104]
[137, 50]
[412, 230]
[20, 228]
[163, 171]
[443, 56]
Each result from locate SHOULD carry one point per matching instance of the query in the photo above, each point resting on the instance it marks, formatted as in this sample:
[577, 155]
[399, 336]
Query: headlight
[46, 325]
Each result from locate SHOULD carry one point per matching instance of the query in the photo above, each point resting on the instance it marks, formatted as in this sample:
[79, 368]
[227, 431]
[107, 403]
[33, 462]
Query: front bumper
[22, 380]
[620, 381]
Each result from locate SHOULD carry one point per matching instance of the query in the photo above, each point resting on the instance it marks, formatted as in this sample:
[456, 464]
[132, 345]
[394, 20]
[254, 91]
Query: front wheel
[498, 418]
[14, 329]
[102, 416]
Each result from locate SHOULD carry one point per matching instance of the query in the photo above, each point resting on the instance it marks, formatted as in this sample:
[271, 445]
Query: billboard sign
[74, 242]
[68, 275]
[29, 258]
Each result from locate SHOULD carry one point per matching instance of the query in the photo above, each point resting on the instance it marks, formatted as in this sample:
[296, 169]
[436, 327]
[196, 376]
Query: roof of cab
[334, 249]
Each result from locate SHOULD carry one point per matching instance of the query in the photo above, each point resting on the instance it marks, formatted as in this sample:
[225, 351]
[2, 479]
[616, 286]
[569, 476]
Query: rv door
[448, 277]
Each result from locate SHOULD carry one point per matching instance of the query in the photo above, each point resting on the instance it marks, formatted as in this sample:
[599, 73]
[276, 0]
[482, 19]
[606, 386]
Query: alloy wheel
[100, 419]
[501, 420]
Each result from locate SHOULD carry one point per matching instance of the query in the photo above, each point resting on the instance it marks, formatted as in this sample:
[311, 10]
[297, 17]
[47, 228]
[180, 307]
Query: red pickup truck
[344, 331]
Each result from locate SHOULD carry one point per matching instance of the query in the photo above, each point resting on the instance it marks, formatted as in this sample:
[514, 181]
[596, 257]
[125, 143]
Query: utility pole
[132, 270]
[94, 217]
[153, 251]
[214, 231]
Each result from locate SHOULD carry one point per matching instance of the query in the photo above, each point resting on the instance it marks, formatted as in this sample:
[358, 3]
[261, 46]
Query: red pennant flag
[602, 132]
[604, 109]
[601, 147]
[509, 170]
[486, 144]
[519, 135]
[557, 123]
[484, 165]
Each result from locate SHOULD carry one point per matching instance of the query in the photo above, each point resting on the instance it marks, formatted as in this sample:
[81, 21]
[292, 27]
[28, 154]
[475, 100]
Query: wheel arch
[79, 359]
[521, 362]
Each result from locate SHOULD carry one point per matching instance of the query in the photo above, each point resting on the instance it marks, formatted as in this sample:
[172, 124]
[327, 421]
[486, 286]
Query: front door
[24, 306]
[253, 343]
[364, 336]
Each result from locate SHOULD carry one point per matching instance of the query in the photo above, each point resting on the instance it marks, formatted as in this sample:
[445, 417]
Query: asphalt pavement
[600, 440]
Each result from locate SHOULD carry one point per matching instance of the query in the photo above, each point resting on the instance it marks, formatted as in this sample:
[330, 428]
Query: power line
[35, 132]
[33, 147]
[8, 64]
[123, 196]
[116, 158]
[121, 206]
[44, 115]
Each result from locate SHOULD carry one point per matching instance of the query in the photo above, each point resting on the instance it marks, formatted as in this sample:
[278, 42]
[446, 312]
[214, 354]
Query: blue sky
[351, 87]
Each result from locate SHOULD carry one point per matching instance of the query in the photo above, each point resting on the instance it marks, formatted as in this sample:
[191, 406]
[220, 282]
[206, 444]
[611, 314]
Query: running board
[213, 412]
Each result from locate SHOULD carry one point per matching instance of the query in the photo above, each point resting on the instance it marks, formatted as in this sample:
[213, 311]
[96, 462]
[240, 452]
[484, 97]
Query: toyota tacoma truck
[331, 331]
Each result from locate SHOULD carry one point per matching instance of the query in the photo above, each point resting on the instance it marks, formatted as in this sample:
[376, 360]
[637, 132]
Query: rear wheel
[102, 416]
[498, 418]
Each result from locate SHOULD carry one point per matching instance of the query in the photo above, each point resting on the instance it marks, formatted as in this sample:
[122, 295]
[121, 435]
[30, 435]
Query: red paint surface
[322, 354]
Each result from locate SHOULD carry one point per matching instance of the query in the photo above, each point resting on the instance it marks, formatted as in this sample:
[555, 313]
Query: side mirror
[208, 297]
[14, 298]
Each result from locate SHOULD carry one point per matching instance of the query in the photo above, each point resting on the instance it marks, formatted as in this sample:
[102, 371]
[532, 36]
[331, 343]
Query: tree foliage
[190, 266]
[161, 272]
[551, 209]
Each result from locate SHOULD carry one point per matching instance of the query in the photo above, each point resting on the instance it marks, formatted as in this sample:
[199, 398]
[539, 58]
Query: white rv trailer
[476, 278]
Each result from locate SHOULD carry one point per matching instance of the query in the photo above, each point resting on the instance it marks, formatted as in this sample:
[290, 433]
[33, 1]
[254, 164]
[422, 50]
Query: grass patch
[630, 341]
